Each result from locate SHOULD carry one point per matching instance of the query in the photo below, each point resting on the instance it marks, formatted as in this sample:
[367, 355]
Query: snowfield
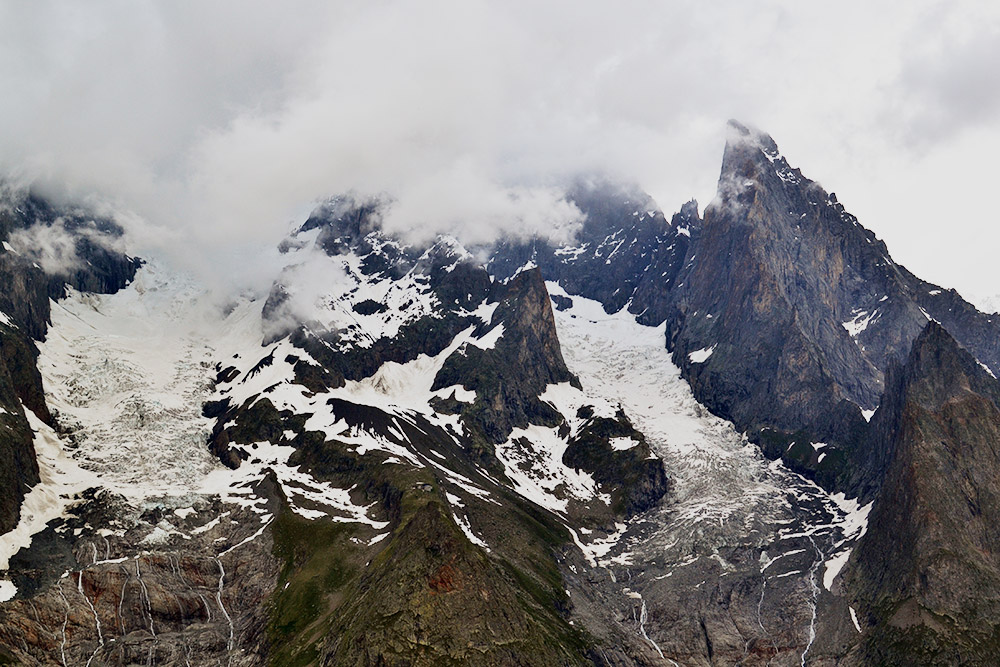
[128, 374]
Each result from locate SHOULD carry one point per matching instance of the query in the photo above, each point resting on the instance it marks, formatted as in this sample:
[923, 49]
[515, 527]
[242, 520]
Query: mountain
[737, 436]
[25, 316]
[782, 311]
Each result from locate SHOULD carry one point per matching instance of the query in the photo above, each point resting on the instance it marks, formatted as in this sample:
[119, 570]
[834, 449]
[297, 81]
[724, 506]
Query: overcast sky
[220, 123]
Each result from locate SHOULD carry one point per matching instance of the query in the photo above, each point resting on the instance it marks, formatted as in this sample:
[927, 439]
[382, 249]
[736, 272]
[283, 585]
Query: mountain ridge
[645, 445]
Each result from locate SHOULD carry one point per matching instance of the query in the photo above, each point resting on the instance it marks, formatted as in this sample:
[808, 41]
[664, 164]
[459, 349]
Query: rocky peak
[509, 376]
[939, 370]
[344, 222]
[751, 159]
[926, 574]
[784, 269]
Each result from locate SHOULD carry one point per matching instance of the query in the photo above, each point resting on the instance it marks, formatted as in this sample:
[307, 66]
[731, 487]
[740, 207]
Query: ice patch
[859, 323]
[622, 444]
[128, 373]
[834, 565]
[702, 355]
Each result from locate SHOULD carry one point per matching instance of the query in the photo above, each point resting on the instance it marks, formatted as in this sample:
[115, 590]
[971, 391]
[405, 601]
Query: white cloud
[220, 123]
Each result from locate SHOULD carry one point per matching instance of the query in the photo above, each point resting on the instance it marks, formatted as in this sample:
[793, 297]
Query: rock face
[807, 311]
[926, 575]
[635, 476]
[509, 377]
[177, 604]
[18, 467]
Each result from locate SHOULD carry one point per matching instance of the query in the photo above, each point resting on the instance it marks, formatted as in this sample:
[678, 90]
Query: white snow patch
[7, 590]
[621, 444]
[855, 521]
[463, 523]
[860, 321]
[489, 340]
[834, 564]
[702, 355]
[854, 619]
[461, 393]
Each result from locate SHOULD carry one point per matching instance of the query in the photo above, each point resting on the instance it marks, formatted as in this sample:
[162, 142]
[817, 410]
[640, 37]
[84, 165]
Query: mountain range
[742, 435]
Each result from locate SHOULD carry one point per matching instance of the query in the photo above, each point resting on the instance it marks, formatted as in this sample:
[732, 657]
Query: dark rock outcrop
[926, 576]
[18, 467]
[509, 377]
[634, 477]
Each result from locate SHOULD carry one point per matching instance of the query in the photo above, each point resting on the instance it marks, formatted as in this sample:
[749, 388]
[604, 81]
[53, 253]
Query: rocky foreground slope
[659, 443]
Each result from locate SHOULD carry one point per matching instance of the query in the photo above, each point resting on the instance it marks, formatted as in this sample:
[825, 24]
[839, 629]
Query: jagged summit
[752, 162]
[939, 370]
[739, 135]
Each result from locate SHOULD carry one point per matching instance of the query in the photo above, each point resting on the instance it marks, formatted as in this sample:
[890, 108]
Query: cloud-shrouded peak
[218, 126]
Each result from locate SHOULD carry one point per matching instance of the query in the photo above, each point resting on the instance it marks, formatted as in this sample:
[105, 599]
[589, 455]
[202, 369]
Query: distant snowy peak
[348, 280]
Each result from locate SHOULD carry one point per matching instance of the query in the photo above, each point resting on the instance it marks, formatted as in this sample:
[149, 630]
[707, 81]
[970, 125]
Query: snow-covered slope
[127, 374]
[732, 512]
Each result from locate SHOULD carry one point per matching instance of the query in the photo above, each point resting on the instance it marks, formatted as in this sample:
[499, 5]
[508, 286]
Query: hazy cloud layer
[219, 124]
